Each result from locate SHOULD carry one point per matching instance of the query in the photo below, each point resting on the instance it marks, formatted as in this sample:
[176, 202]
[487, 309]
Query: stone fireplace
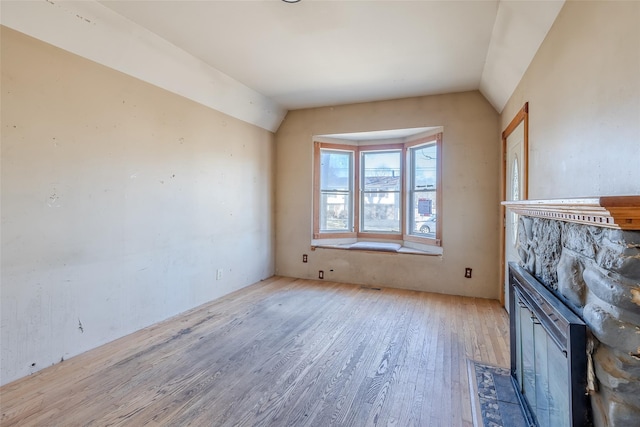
[587, 253]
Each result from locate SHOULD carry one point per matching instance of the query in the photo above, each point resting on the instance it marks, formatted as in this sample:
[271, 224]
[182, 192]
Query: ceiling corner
[518, 32]
[95, 32]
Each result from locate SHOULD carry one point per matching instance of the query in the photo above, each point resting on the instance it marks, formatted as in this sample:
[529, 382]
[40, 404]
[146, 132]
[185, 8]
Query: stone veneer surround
[595, 269]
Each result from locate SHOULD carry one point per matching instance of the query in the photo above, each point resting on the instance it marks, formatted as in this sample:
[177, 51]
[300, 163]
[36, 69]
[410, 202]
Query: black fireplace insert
[548, 354]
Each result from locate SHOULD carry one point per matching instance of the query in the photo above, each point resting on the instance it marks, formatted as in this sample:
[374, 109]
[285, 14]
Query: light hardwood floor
[282, 352]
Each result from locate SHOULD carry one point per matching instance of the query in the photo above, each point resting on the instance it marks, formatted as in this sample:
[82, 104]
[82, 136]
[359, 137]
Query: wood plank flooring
[282, 352]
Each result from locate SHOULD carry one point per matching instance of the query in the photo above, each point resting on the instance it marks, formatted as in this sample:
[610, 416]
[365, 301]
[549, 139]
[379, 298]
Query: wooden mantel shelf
[621, 212]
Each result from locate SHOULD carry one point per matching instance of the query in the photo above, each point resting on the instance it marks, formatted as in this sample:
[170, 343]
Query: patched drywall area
[583, 91]
[471, 195]
[122, 205]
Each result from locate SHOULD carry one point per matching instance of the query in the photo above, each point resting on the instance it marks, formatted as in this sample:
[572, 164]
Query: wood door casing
[515, 147]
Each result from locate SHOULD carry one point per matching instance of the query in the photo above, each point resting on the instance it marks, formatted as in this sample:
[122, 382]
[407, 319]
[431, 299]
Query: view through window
[364, 189]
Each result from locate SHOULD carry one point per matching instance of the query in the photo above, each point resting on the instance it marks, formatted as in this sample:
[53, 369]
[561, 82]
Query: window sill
[379, 247]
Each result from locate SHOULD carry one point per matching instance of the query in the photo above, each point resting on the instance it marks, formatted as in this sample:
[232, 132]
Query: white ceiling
[318, 53]
[307, 54]
[380, 134]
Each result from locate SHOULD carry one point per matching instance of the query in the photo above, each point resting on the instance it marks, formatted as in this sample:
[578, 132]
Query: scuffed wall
[471, 170]
[583, 88]
[120, 202]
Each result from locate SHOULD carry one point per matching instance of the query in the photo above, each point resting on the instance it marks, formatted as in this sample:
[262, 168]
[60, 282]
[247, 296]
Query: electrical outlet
[320, 274]
[467, 273]
[304, 258]
[219, 274]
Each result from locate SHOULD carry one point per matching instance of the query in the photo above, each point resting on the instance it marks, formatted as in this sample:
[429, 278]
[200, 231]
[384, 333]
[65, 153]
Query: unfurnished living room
[315, 213]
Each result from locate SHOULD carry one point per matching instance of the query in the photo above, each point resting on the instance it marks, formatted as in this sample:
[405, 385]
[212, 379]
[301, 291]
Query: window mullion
[356, 192]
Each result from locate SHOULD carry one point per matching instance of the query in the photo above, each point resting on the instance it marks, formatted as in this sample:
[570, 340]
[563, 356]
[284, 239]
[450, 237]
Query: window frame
[405, 183]
[437, 240]
[318, 146]
[360, 191]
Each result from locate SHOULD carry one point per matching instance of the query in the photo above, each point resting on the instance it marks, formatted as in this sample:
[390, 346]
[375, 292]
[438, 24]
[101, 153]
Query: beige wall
[583, 88]
[120, 201]
[471, 152]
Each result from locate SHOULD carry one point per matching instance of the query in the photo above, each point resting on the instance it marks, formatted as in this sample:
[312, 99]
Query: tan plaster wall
[120, 201]
[583, 89]
[471, 163]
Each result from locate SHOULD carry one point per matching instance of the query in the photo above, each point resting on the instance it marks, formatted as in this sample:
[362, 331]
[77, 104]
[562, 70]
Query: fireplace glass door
[548, 354]
[541, 370]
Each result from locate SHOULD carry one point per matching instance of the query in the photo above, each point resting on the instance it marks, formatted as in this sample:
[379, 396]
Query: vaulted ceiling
[255, 60]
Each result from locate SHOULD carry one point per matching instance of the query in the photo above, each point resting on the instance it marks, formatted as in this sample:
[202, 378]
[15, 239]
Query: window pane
[423, 220]
[424, 161]
[335, 170]
[334, 212]
[381, 171]
[381, 212]
[422, 198]
[336, 186]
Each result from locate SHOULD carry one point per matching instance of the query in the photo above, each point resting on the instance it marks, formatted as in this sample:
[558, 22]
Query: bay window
[383, 191]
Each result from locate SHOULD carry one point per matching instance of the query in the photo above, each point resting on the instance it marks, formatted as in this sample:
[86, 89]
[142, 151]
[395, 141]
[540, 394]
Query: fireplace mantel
[621, 212]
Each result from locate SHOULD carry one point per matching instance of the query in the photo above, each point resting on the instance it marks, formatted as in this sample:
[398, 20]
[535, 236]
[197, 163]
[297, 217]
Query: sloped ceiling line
[93, 31]
[239, 57]
[519, 30]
